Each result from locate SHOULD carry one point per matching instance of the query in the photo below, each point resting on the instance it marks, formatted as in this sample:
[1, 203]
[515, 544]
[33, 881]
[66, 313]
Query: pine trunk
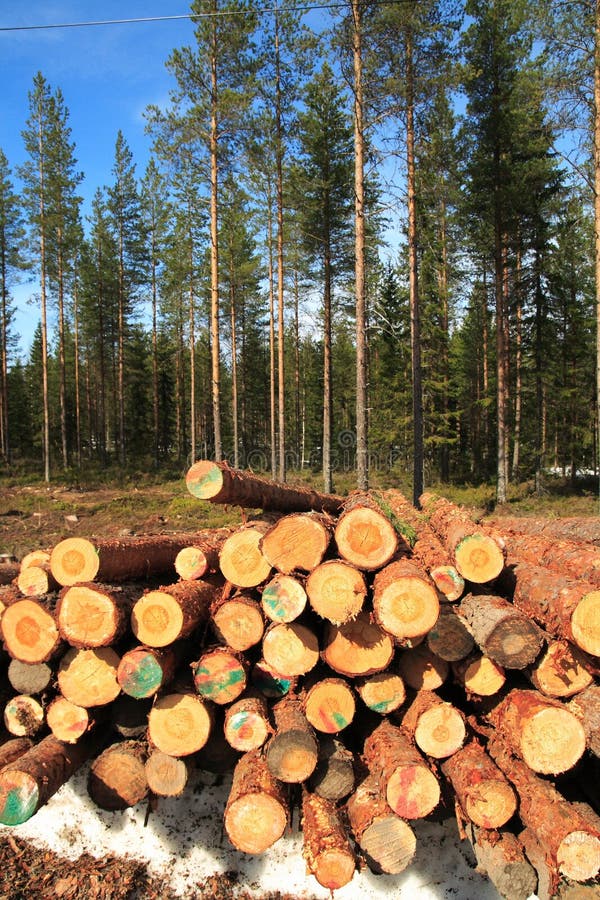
[586, 706]
[238, 621]
[30, 631]
[247, 725]
[179, 724]
[358, 647]
[450, 639]
[405, 602]
[89, 677]
[334, 775]
[93, 614]
[502, 857]
[220, 675]
[291, 649]
[364, 535]
[336, 591]
[297, 542]
[436, 726]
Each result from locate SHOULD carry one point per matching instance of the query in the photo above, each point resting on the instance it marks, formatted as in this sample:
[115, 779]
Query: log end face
[204, 480]
[440, 731]
[246, 730]
[19, 797]
[389, 844]
[139, 674]
[448, 581]
[366, 538]
[407, 608]
[191, 563]
[585, 623]
[73, 561]
[491, 804]
[334, 868]
[478, 558]
[413, 791]
[552, 741]
[578, 856]
[156, 619]
[254, 822]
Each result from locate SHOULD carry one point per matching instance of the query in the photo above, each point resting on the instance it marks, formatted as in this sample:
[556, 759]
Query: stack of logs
[367, 661]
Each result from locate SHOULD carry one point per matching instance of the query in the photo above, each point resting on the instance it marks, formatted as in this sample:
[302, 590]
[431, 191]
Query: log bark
[179, 724]
[241, 560]
[329, 705]
[93, 614]
[388, 842]
[570, 558]
[436, 726]
[476, 554]
[238, 621]
[29, 678]
[247, 724]
[293, 751]
[411, 788]
[564, 607]
[383, 692]
[364, 535]
[584, 529]
[336, 591]
[292, 649]
[326, 849]
[541, 731]
[30, 631]
[283, 599]
[166, 615]
[297, 543]
[89, 677]
[586, 706]
[485, 795]
[479, 675]
[78, 560]
[143, 671]
[560, 671]
[503, 633]
[117, 778]
[359, 647]
[405, 602]
[500, 855]
[8, 572]
[334, 774]
[421, 669]
[569, 841]
[450, 639]
[35, 581]
[220, 675]
[29, 782]
[12, 749]
[167, 776]
[219, 483]
[200, 557]
[257, 811]
[24, 716]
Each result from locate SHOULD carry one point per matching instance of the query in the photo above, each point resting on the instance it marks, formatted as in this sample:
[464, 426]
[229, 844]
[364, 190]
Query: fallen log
[30, 631]
[502, 633]
[24, 716]
[566, 557]
[36, 580]
[94, 614]
[479, 675]
[436, 726]
[387, 841]
[421, 669]
[326, 847]
[586, 706]
[334, 774]
[382, 692]
[405, 602]
[69, 722]
[241, 559]
[143, 671]
[358, 647]
[336, 591]
[219, 483]
[293, 750]
[291, 649]
[539, 730]
[201, 557]
[163, 616]
[283, 598]
[297, 542]
[8, 572]
[271, 683]
[179, 723]
[364, 535]
[13, 748]
[485, 795]
[585, 529]
[89, 677]
[257, 810]
[29, 678]
[117, 778]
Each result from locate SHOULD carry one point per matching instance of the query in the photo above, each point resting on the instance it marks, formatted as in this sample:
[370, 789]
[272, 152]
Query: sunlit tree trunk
[214, 250]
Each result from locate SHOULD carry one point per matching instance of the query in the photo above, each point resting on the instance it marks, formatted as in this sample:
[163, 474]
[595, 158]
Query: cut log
[201, 558]
[79, 560]
[502, 857]
[129, 716]
[29, 782]
[436, 726]
[388, 842]
[329, 705]
[219, 483]
[383, 692]
[584, 529]
[9, 594]
[143, 671]
[247, 725]
[167, 776]
[93, 614]
[35, 581]
[364, 535]
[405, 602]
[257, 812]
[476, 554]
[450, 639]
[161, 617]
[290, 648]
[485, 795]
[271, 683]
[13, 748]
[503, 633]
[238, 621]
[541, 731]
[30, 632]
[566, 557]
[326, 847]
[67, 721]
[336, 591]
[241, 560]
[411, 789]
[428, 552]
[333, 777]
[89, 677]
[283, 599]
[421, 669]
[297, 543]
[217, 755]
[359, 647]
[23, 716]
[479, 675]
[8, 572]
[586, 706]
[220, 675]
[29, 678]
[566, 608]
[35, 558]
[560, 670]
[117, 778]
[293, 751]
[179, 724]
[570, 842]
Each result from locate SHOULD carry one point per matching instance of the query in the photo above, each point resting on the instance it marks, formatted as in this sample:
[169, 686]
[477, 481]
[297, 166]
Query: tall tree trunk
[272, 365]
[597, 209]
[327, 372]
[485, 373]
[280, 243]
[62, 366]
[518, 373]
[413, 282]
[43, 305]
[155, 404]
[5, 449]
[77, 369]
[214, 248]
[121, 349]
[234, 366]
[297, 444]
[443, 289]
[539, 381]
[501, 349]
[192, 350]
[362, 451]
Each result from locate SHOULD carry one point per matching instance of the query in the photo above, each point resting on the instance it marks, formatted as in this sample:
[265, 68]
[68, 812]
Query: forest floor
[34, 515]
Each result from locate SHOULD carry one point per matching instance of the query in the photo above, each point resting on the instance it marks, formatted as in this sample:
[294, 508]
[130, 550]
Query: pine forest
[368, 247]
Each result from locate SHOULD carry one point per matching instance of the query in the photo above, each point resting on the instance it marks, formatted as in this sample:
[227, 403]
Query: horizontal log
[364, 534]
[484, 793]
[503, 633]
[388, 842]
[30, 631]
[117, 778]
[257, 809]
[297, 542]
[326, 847]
